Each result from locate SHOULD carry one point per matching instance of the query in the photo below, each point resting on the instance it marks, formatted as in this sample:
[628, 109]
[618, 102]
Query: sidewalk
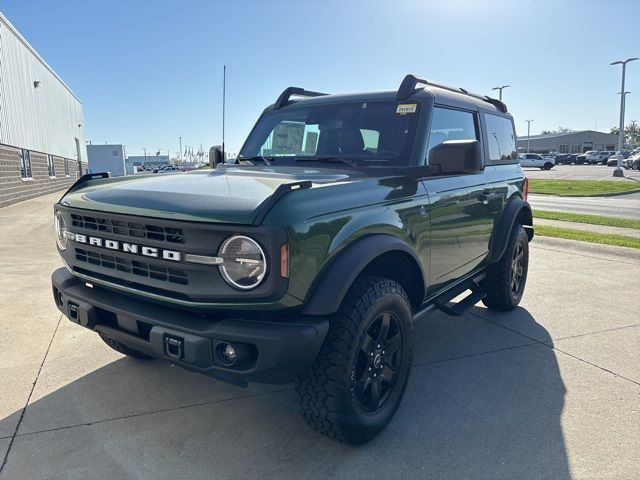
[604, 229]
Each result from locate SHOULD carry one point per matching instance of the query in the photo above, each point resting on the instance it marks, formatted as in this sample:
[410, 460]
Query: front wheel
[354, 387]
[548, 166]
[506, 279]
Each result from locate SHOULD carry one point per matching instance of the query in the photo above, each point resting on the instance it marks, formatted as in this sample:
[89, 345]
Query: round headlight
[244, 263]
[61, 231]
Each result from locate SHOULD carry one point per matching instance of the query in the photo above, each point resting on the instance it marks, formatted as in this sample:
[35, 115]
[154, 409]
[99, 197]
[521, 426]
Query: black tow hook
[174, 347]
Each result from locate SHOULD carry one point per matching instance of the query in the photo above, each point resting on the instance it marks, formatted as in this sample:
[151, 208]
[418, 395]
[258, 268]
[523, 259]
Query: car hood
[229, 194]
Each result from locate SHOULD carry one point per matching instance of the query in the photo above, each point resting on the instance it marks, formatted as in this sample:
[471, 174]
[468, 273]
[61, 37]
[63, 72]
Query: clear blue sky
[149, 71]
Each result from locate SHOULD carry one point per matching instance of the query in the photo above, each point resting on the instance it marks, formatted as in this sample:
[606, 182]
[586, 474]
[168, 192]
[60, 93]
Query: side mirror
[215, 156]
[454, 157]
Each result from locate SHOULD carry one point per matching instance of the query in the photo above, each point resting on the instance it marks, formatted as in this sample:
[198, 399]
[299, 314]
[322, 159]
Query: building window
[25, 164]
[564, 148]
[51, 166]
[576, 148]
[66, 167]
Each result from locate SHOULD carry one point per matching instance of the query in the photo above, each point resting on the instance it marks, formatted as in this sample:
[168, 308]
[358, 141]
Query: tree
[632, 133]
[558, 130]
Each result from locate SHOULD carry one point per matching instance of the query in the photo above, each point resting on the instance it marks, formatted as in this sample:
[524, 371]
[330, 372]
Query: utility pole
[500, 88]
[618, 171]
[180, 139]
[145, 157]
[224, 92]
[528, 132]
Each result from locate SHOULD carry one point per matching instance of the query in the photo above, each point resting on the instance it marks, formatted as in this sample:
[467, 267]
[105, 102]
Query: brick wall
[13, 189]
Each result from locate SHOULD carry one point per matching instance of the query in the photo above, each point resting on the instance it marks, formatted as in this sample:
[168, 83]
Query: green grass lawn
[584, 236]
[590, 219]
[581, 188]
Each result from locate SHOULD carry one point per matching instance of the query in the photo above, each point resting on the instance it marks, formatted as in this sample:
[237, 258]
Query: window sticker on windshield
[406, 108]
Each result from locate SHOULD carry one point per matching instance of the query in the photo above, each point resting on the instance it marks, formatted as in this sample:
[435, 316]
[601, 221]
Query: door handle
[485, 198]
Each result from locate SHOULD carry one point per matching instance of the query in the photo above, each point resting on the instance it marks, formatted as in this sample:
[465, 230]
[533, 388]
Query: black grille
[136, 267]
[131, 229]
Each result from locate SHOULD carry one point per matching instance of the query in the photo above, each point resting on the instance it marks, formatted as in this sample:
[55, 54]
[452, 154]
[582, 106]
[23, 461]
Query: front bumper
[274, 351]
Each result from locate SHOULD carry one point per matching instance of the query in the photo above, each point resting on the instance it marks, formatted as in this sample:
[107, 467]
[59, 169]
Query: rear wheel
[506, 279]
[354, 387]
[118, 347]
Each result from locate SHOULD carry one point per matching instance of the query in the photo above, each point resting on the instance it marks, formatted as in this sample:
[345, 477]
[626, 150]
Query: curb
[617, 194]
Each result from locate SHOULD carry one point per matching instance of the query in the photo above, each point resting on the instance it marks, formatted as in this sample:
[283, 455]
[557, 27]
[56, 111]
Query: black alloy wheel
[517, 268]
[378, 362]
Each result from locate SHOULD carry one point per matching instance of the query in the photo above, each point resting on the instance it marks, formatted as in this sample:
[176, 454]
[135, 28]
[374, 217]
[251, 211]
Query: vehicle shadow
[482, 403]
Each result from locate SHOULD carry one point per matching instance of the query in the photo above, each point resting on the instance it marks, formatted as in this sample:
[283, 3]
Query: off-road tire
[118, 347]
[328, 390]
[498, 283]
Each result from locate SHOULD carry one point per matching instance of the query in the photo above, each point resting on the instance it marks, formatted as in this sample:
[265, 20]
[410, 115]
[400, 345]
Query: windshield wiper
[344, 161]
[257, 158]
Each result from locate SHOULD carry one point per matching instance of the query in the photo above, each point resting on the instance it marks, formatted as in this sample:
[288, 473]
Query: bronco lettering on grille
[126, 247]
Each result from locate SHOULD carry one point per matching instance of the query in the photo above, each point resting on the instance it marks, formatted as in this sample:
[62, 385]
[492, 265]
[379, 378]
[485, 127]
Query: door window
[448, 124]
[501, 139]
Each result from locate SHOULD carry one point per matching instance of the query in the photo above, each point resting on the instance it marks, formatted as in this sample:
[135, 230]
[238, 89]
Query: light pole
[500, 88]
[618, 171]
[180, 139]
[528, 132]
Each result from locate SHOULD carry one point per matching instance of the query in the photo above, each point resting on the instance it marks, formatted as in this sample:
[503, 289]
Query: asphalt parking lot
[551, 390]
[582, 172]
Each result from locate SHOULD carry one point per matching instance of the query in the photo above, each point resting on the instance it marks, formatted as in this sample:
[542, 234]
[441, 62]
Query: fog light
[229, 354]
[234, 355]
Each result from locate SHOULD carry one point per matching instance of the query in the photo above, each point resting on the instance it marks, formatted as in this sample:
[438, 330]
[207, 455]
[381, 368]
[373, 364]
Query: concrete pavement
[625, 206]
[582, 172]
[551, 390]
[603, 229]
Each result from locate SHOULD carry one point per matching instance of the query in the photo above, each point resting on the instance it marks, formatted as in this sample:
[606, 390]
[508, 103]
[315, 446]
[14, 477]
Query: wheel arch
[380, 255]
[517, 211]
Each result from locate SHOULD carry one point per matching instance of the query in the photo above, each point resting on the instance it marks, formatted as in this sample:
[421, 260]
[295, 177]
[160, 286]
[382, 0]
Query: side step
[464, 305]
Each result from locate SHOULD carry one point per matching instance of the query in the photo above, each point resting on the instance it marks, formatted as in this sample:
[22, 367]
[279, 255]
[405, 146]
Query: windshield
[377, 133]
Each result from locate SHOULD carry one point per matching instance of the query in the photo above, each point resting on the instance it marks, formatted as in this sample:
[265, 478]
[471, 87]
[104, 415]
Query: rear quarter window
[500, 139]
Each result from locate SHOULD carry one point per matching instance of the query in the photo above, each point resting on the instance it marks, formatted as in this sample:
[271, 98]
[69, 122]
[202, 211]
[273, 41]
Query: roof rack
[289, 92]
[410, 82]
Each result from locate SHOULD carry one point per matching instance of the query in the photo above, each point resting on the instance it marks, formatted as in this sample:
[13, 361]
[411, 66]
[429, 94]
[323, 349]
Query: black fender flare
[327, 293]
[515, 209]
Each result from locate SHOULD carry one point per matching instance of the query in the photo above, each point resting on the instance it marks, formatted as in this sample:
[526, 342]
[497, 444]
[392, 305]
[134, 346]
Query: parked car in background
[563, 159]
[582, 158]
[598, 157]
[633, 162]
[592, 156]
[536, 160]
[169, 169]
[613, 159]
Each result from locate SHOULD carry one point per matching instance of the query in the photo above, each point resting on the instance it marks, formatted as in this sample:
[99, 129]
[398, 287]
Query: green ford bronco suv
[344, 219]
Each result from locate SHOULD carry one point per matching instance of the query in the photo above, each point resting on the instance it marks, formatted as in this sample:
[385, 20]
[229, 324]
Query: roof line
[24, 41]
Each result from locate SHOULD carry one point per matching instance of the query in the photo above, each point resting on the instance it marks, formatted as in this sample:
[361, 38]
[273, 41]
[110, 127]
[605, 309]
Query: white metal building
[568, 142]
[107, 158]
[42, 146]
